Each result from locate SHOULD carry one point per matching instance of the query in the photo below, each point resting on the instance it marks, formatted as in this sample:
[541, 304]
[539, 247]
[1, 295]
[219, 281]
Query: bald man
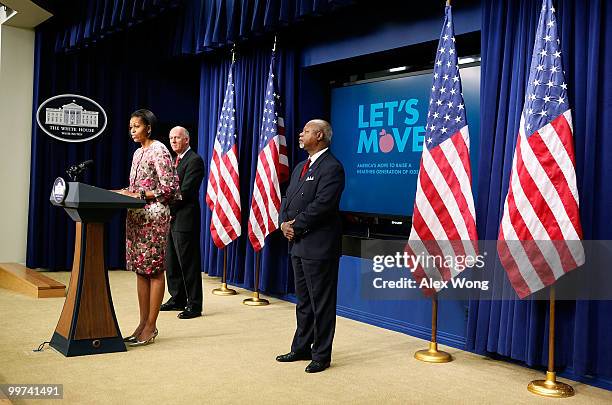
[310, 220]
[183, 263]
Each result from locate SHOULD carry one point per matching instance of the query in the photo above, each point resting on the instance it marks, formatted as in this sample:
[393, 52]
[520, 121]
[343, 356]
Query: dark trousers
[316, 283]
[183, 273]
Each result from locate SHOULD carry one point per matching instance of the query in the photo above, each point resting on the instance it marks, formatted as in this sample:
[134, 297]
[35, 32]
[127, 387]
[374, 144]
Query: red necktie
[305, 168]
[176, 162]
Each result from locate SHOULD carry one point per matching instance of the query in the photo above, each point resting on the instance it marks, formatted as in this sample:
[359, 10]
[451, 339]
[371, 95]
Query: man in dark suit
[311, 222]
[184, 273]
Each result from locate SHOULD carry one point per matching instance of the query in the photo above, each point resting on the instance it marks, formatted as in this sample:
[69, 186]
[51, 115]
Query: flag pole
[433, 355]
[224, 290]
[550, 387]
[255, 301]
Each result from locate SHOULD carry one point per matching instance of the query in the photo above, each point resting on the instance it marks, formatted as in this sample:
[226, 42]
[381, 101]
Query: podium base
[84, 347]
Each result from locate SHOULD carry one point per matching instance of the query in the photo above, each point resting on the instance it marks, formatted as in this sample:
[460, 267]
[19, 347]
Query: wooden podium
[88, 324]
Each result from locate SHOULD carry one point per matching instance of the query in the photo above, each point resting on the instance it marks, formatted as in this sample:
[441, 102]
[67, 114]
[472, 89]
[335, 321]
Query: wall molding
[407, 328]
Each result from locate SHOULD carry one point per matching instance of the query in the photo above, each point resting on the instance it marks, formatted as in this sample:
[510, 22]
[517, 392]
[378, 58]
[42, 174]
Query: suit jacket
[186, 212]
[313, 202]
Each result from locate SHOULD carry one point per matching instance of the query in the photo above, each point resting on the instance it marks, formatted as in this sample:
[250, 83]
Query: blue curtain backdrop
[212, 24]
[122, 75]
[518, 329]
[84, 23]
[200, 26]
[250, 75]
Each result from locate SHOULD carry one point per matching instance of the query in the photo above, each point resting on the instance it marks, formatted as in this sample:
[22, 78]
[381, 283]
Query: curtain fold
[519, 329]
[202, 26]
[86, 22]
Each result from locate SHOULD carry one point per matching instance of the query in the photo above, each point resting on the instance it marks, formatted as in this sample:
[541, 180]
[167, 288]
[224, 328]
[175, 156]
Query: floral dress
[147, 228]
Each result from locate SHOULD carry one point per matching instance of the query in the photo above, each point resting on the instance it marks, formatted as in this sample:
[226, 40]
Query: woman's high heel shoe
[133, 338]
[150, 340]
[130, 339]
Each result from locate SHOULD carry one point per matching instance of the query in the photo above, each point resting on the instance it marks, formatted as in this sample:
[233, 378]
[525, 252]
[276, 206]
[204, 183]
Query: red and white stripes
[443, 223]
[272, 169]
[540, 231]
[223, 196]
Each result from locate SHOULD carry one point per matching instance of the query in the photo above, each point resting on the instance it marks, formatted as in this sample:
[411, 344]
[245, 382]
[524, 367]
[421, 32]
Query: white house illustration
[59, 188]
[71, 114]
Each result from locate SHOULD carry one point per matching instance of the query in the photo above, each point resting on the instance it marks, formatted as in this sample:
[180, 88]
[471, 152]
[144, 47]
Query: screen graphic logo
[390, 125]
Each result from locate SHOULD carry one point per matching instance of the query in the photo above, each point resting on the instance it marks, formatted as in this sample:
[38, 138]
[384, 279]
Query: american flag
[443, 222]
[272, 168]
[223, 191]
[540, 231]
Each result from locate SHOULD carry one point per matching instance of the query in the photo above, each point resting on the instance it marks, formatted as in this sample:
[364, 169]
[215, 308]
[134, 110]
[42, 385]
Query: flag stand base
[551, 387]
[433, 355]
[224, 290]
[255, 301]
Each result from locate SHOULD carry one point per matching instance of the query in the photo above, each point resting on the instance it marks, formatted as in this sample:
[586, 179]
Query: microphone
[84, 165]
[74, 171]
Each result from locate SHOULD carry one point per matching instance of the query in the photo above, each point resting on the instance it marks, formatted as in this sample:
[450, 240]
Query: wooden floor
[17, 277]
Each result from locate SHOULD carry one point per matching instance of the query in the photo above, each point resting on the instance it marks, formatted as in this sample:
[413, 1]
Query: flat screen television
[379, 128]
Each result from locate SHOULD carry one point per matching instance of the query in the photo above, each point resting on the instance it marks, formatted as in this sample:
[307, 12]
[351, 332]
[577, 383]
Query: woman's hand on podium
[127, 193]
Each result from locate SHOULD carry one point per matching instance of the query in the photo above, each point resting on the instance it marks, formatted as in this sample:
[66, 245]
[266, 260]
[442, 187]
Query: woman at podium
[153, 178]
